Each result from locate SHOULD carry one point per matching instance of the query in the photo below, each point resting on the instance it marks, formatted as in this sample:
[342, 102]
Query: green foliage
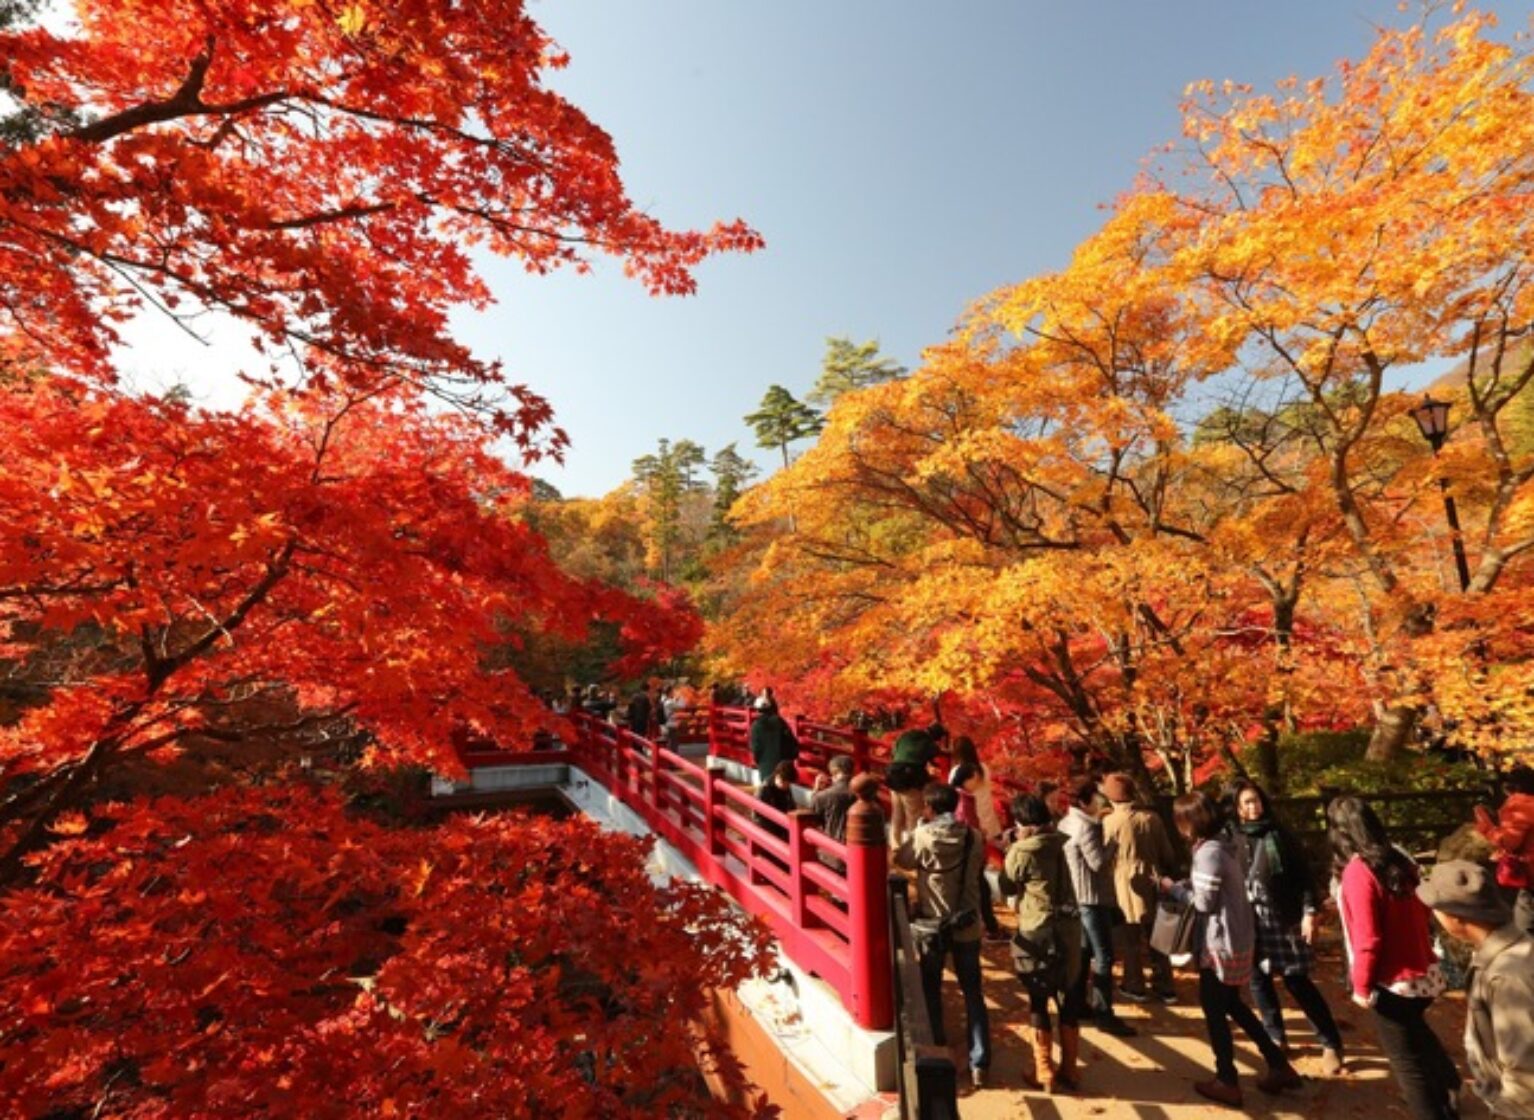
[1315, 761]
[731, 472]
[666, 478]
[781, 419]
[848, 367]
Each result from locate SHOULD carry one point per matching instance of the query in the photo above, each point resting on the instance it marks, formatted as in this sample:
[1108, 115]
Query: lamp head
[1432, 419]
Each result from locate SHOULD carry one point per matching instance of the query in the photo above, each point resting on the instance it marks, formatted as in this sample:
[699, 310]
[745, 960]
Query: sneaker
[1167, 995]
[1219, 1092]
[1331, 1062]
[1112, 1024]
[1134, 995]
[1275, 1081]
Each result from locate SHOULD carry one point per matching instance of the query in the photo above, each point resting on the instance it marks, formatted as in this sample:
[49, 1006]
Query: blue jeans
[1097, 925]
[966, 966]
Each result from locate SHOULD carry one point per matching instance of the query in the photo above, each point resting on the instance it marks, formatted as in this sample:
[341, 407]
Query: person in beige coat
[1141, 854]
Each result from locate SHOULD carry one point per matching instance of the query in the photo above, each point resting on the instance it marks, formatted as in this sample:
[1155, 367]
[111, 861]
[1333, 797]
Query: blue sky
[901, 159]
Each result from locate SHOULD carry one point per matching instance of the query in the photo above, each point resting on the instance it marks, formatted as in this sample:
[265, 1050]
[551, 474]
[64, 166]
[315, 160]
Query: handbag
[1172, 932]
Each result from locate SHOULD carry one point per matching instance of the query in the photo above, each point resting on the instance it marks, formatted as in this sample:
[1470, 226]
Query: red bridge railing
[826, 902]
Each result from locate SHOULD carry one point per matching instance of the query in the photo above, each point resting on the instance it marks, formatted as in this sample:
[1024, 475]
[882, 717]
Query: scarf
[1264, 837]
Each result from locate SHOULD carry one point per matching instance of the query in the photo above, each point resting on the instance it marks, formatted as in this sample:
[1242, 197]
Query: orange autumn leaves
[1167, 501]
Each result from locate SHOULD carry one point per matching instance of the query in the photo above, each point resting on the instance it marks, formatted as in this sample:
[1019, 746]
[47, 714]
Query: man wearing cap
[1499, 1024]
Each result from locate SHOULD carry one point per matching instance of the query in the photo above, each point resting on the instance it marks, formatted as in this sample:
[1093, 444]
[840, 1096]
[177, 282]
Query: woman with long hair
[1284, 904]
[964, 753]
[1047, 951]
[1224, 941]
[1392, 969]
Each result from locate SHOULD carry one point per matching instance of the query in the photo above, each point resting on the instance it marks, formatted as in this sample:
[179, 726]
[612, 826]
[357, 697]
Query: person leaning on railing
[833, 796]
[908, 774]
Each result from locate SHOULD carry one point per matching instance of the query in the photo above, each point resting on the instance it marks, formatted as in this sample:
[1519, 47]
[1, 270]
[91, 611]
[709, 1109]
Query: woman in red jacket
[1393, 970]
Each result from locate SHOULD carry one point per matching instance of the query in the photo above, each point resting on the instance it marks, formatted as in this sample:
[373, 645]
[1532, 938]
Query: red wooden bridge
[826, 902]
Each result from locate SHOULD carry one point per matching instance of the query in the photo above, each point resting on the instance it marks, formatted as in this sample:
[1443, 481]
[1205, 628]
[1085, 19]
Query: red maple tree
[337, 557]
[321, 172]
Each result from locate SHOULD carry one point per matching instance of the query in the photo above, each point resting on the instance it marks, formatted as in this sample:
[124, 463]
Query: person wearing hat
[772, 740]
[1140, 852]
[1499, 1020]
[907, 776]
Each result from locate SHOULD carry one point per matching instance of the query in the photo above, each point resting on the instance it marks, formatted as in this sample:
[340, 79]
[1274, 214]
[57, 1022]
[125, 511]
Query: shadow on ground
[1151, 1077]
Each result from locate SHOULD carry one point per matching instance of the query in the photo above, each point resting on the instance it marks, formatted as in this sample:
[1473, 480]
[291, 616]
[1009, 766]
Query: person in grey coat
[1086, 855]
[1499, 1020]
[949, 857]
[1224, 943]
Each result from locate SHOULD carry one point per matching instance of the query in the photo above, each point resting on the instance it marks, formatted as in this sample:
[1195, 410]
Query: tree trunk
[1268, 774]
[1393, 729]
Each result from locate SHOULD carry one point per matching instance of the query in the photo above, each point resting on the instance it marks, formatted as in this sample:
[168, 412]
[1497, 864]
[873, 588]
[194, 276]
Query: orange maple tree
[1167, 501]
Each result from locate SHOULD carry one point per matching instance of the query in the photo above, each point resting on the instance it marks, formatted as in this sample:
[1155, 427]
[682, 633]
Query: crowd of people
[1089, 870]
[1098, 887]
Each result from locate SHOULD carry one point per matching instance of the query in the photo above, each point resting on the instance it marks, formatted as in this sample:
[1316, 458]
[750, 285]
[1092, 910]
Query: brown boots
[1048, 1076]
[1043, 1063]
[1067, 1077]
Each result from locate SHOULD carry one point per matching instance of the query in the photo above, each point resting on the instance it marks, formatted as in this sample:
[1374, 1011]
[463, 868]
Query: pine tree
[781, 419]
[847, 367]
[731, 471]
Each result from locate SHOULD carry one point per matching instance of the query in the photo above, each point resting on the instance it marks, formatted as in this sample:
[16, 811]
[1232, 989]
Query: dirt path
[1151, 1077]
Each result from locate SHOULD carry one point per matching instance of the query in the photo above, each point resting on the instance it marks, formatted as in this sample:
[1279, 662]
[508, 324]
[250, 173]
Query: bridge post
[711, 803]
[868, 913]
[798, 821]
[859, 751]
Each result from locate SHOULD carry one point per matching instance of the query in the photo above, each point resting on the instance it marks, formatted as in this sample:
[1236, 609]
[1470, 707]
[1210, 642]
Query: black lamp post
[1432, 418]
